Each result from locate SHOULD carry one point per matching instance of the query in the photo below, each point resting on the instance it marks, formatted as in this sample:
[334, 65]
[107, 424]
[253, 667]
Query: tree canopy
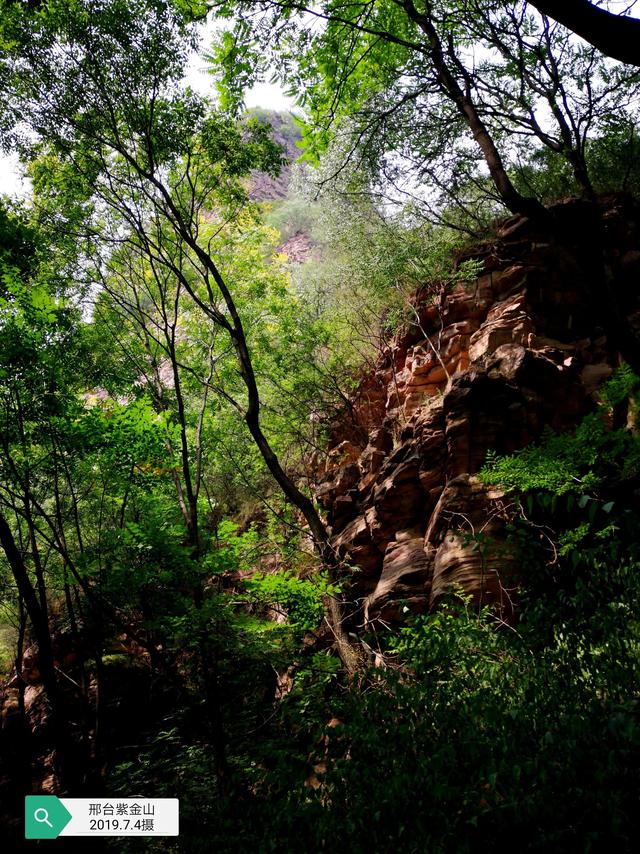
[444, 95]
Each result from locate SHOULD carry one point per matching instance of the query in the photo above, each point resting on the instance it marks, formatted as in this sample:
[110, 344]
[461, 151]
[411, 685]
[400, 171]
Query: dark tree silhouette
[618, 36]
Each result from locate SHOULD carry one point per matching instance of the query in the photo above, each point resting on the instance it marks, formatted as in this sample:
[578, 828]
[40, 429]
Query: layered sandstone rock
[485, 367]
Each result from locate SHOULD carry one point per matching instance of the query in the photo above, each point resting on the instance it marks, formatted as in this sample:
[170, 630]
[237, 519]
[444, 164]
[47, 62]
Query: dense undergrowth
[473, 733]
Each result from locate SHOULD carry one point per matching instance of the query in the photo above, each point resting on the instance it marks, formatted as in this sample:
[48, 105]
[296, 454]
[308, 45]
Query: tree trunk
[616, 36]
[449, 85]
[39, 622]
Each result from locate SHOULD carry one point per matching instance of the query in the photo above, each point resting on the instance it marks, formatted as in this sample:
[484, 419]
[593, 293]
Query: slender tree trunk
[101, 733]
[189, 487]
[35, 553]
[232, 324]
[581, 174]
[39, 622]
[512, 199]
[22, 625]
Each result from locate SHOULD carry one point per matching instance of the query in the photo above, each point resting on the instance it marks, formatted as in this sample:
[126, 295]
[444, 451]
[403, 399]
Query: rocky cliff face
[484, 367]
[284, 132]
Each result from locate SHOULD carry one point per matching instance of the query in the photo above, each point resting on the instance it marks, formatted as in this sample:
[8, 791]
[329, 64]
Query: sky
[266, 95]
[10, 181]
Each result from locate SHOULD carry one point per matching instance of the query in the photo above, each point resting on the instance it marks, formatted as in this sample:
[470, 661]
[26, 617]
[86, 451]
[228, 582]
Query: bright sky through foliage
[266, 95]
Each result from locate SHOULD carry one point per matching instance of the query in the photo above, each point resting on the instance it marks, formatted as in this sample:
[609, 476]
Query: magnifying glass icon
[42, 816]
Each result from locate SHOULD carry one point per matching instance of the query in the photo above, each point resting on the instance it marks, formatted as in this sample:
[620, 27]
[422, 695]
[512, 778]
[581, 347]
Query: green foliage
[293, 215]
[124, 453]
[365, 265]
[575, 488]
[301, 599]
[371, 87]
[564, 463]
[19, 239]
[545, 176]
[174, 767]
[489, 730]
[486, 733]
[574, 462]
[612, 160]
[233, 552]
[622, 385]
[7, 645]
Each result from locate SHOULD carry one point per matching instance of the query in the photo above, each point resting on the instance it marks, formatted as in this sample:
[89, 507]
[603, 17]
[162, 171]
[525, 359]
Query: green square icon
[45, 816]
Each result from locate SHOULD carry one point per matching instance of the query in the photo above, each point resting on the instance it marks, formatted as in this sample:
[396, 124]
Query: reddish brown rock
[467, 543]
[355, 545]
[485, 365]
[507, 323]
[504, 281]
[405, 568]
